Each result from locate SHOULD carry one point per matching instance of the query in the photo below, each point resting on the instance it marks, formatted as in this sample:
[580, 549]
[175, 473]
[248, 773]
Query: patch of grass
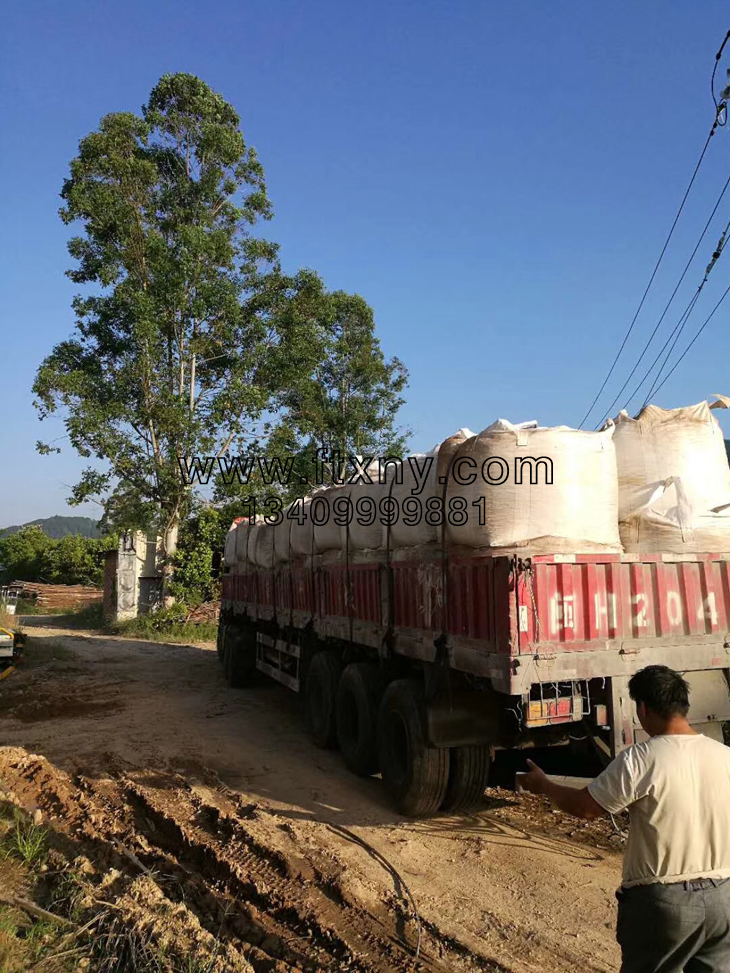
[193, 964]
[24, 942]
[90, 616]
[120, 948]
[38, 935]
[150, 627]
[30, 606]
[11, 948]
[66, 895]
[9, 622]
[26, 842]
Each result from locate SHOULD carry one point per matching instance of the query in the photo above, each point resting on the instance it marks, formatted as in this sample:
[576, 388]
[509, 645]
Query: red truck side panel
[580, 604]
[519, 621]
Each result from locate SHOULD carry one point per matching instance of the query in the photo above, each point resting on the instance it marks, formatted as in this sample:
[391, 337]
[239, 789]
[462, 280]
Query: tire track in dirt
[223, 865]
[294, 894]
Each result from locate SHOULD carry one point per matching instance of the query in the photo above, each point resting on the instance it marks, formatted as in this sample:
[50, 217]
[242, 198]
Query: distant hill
[56, 527]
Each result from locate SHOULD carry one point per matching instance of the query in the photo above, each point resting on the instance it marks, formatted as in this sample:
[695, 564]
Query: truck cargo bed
[516, 619]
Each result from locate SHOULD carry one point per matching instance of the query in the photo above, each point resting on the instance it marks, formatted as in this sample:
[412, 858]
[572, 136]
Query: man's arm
[579, 803]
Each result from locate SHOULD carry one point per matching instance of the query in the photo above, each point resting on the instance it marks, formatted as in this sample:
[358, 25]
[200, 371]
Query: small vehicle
[11, 642]
[10, 647]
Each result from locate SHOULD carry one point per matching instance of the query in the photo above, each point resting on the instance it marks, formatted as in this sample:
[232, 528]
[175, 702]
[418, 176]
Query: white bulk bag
[328, 534]
[302, 534]
[229, 551]
[363, 536]
[575, 513]
[414, 468]
[261, 545]
[674, 480]
[282, 537]
[243, 558]
[670, 523]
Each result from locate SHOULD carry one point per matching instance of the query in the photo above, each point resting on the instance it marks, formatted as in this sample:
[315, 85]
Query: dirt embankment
[263, 849]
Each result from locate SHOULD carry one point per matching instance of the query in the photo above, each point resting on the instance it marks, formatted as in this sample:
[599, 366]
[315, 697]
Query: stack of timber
[57, 596]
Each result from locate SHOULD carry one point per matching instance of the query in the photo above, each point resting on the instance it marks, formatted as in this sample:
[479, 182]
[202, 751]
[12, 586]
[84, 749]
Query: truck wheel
[239, 656]
[415, 773]
[468, 777]
[321, 699]
[220, 640]
[358, 697]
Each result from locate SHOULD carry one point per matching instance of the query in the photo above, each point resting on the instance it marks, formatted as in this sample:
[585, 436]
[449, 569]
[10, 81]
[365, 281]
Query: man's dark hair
[660, 689]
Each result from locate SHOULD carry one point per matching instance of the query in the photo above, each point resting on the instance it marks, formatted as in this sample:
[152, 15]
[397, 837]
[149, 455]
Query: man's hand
[535, 780]
[579, 803]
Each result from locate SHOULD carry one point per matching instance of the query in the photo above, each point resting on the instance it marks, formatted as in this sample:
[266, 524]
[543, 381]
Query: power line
[653, 273]
[666, 307]
[683, 317]
[680, 325]
[718, 109]
[699, 332]
[715, 257]
[720, 112]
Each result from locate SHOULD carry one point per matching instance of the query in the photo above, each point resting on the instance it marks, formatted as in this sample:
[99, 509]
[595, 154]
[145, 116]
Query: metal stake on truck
[421, 668]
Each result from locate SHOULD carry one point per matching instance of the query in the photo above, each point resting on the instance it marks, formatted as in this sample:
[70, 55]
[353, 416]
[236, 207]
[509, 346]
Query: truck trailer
[419, 668]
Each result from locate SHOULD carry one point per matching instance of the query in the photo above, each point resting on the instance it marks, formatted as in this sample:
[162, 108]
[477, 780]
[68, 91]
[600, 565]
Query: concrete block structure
[133, 576]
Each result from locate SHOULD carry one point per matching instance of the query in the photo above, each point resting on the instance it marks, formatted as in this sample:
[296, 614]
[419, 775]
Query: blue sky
[495, 179]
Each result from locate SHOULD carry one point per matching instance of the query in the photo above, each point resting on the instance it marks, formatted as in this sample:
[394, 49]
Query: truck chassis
[420, 668]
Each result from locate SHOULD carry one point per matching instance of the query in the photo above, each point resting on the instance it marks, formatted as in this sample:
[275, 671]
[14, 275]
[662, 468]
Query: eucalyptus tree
[171, 350]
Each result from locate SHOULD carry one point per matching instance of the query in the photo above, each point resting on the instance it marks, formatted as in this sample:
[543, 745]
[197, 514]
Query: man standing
[674, 900]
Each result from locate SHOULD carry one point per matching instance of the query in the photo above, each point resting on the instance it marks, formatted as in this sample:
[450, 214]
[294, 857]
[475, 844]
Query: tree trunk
[169, 548]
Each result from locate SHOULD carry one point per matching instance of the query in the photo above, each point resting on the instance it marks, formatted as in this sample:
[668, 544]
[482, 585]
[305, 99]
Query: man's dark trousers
[683, 926]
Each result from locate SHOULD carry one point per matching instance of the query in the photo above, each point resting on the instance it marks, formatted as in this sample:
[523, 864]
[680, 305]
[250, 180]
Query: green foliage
[169, 357]
[189, 338]
[200, 538]
[191, 334]
[66, 894]
[26, 842]
[89, 617]
[340, 394]
[29, 555]
[21, 554]
[167, 625]
[350, 395]
[76, 560]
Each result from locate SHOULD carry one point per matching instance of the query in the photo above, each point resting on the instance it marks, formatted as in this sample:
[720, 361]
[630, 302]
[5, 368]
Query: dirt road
[272, 846]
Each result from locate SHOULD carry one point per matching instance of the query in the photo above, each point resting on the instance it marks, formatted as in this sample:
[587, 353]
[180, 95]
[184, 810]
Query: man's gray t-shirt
[677, 790]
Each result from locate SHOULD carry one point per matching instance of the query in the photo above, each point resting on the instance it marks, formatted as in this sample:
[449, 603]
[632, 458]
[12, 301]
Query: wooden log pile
[208, 611]
[56, 596]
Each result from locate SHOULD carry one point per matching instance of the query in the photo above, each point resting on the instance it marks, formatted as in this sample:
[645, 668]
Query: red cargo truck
[421, 668]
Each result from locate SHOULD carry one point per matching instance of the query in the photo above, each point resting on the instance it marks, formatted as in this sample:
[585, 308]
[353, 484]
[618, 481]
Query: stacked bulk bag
[243, 561]
[282, 538]
[229, 550]
[435, 465]
[674, 480]
[261, 545]
[577, 512]
[328, 535]
[359, 535]
[302, 534]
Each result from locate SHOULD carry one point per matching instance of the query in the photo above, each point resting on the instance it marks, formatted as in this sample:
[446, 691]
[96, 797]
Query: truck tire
[239, 656]
[321, 699]
[415, 773]
[358, 698]
[220, 640]
[468, 777]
